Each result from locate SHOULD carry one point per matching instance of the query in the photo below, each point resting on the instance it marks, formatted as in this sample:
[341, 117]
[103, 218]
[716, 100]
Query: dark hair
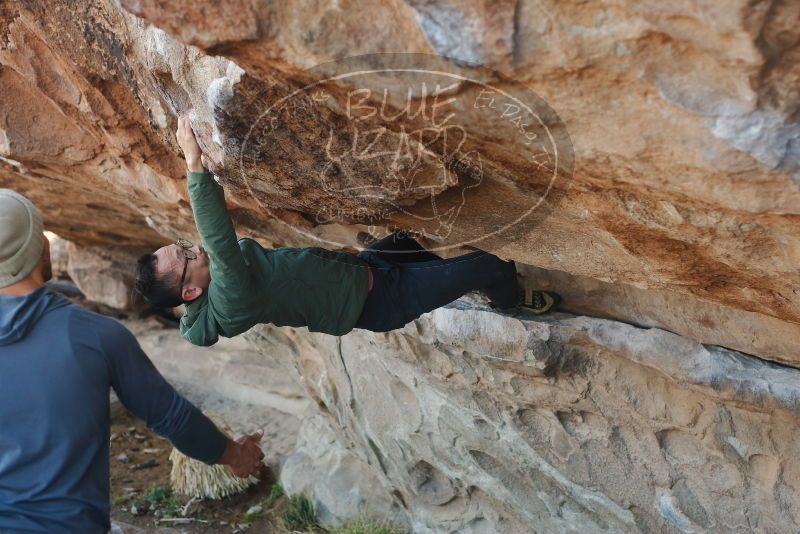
[159, 292]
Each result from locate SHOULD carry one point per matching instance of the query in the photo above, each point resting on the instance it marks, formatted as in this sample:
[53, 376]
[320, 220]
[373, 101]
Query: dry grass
[193, 478]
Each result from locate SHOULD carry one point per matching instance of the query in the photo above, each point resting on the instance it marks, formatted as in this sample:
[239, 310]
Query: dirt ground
[141, 500]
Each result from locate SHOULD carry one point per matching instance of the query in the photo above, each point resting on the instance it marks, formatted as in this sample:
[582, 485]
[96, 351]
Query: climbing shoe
[530, 301]
[538, 302]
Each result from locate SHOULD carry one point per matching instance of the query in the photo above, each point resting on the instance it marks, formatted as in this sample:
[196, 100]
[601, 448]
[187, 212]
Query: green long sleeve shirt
[250, 284]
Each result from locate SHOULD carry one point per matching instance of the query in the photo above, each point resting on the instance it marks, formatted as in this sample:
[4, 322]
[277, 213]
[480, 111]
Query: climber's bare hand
[244, 457]
[188, 143]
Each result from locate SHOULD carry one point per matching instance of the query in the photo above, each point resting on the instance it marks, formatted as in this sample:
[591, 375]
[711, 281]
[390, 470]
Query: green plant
[299, 514]
[249, 518]
[365, 525]
[157, 494]
[276, 492]
[170, 507]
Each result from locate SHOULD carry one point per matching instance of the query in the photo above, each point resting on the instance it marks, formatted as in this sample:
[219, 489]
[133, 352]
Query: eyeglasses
[188, 254]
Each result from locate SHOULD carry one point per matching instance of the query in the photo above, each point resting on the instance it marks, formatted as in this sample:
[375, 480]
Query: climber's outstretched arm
[228, 269]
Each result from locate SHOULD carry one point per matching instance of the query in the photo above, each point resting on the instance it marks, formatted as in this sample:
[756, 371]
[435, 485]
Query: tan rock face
[104, 274]
[673, 203]
[477, 422]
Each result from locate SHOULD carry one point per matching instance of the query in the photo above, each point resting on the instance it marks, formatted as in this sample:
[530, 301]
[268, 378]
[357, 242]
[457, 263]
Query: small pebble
[145, 465]
[257, 509]
[122, 458]
[140, 508]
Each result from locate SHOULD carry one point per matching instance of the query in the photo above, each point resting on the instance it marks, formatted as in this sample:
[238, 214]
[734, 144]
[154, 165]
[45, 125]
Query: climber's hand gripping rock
[195, 161]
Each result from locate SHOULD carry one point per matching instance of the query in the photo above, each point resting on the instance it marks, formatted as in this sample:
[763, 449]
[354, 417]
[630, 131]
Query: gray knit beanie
[21, 237]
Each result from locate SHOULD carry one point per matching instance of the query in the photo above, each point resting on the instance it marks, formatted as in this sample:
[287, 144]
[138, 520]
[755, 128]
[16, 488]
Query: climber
[57, 363]
[229, 286]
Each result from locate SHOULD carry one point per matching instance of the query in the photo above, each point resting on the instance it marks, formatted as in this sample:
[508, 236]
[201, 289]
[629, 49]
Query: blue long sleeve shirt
[57, 363]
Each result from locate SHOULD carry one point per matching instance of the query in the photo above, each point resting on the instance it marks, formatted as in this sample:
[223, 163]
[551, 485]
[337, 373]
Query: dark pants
[409, 281]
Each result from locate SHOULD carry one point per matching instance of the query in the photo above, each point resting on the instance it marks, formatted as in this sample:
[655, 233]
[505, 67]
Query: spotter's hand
[243, 456]
[188, 143]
